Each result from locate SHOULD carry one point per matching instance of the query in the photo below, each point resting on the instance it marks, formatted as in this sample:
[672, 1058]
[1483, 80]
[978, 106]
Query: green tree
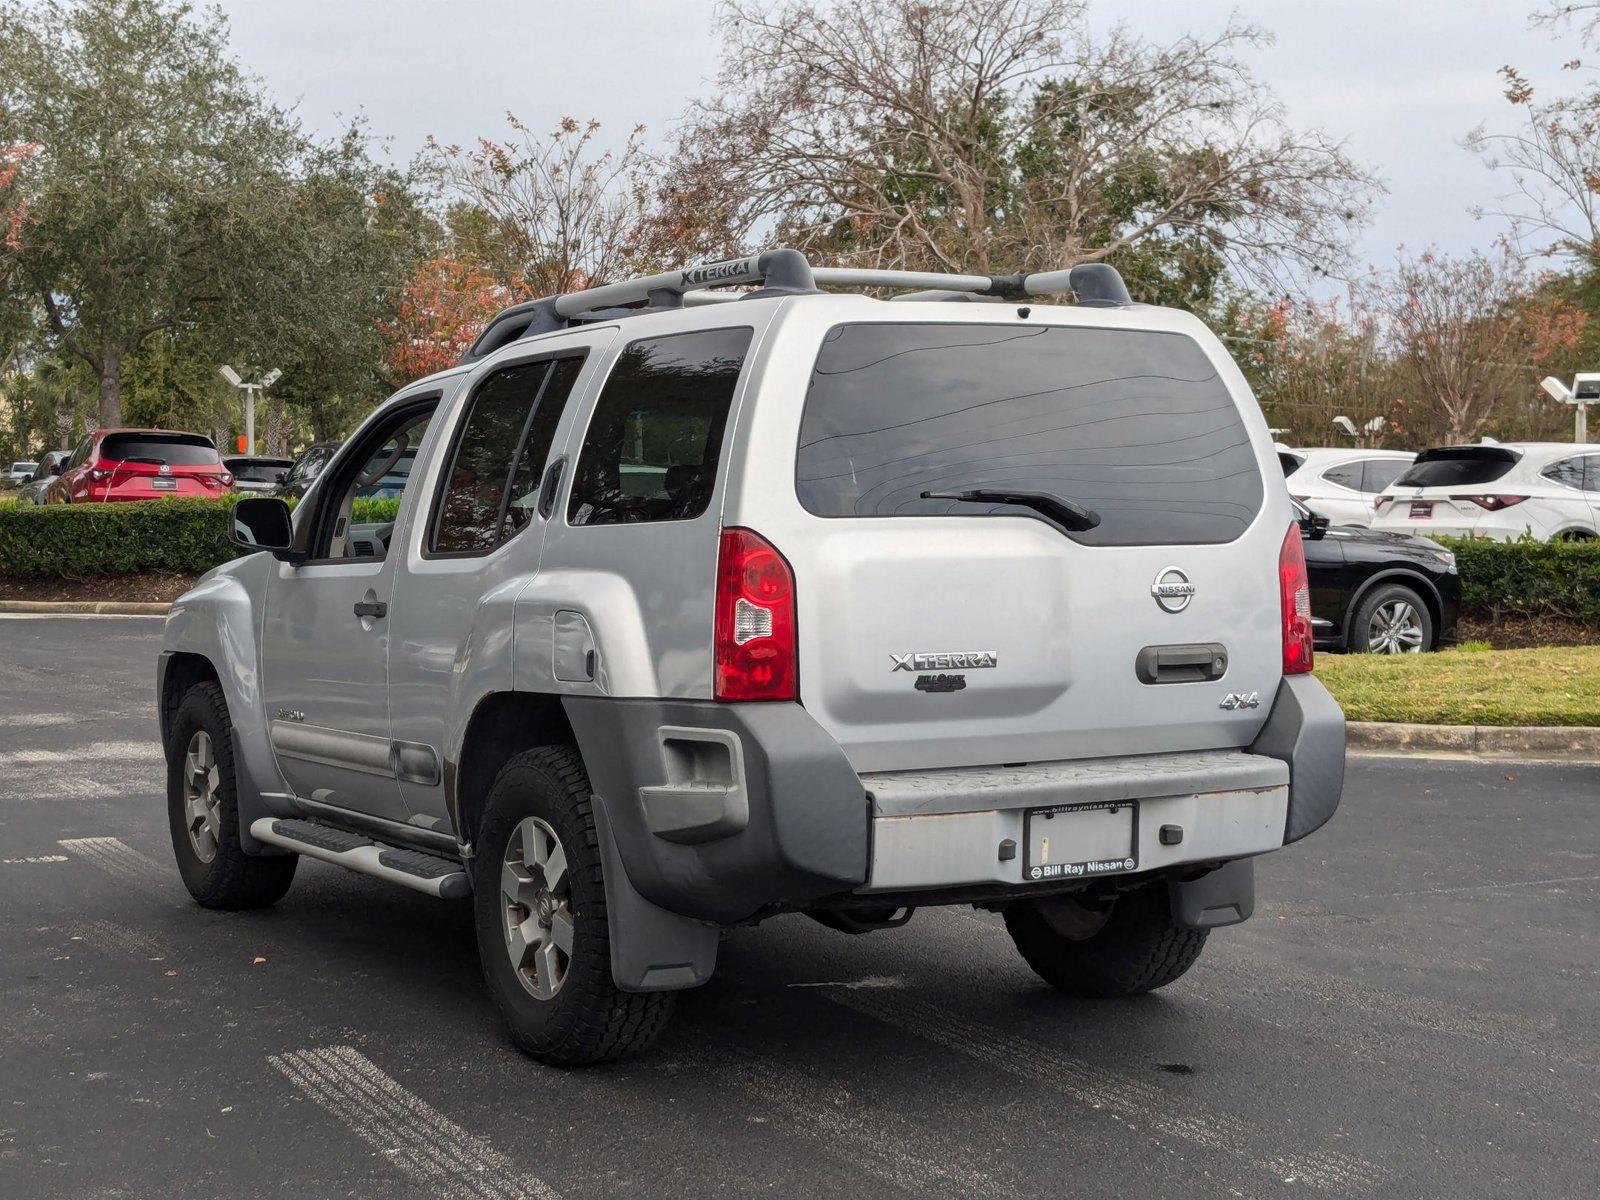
[159, 179]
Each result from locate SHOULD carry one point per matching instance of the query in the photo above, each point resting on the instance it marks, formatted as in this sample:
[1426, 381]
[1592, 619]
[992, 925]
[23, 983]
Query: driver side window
[359, 503]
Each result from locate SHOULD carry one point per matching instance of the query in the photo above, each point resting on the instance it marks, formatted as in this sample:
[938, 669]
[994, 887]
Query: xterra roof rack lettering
[673, 631]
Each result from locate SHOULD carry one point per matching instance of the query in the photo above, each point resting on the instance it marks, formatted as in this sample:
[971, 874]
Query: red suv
[139, 464]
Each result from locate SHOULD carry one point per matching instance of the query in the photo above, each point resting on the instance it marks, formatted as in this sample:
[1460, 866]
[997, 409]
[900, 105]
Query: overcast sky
[1402, 81]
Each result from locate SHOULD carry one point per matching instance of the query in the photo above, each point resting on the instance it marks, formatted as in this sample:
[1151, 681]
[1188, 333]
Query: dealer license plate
[164, 485]
[1072, 841]
[1421, 509]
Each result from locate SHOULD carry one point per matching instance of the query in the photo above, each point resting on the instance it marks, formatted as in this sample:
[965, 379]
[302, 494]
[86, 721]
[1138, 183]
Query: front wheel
[1392, 620]
[540, 913]
[1133, 947]
[203, 810]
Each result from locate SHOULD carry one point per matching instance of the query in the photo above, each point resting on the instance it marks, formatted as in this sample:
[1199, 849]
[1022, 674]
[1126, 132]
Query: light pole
[251, 391]
[1585, 390]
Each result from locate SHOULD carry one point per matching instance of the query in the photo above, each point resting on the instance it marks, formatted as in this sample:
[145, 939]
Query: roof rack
[782, 273]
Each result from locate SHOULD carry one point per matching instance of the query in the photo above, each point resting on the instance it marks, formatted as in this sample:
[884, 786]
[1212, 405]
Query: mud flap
[652, 950]
[1225, 896]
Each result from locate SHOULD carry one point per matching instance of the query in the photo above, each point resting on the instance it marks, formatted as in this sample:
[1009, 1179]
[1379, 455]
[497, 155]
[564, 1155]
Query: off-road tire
[1388, 593]
[589, 1019]
[1138, 949]
[233, 879]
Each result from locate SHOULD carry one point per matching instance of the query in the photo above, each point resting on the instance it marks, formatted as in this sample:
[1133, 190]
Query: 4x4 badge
[1172, 590]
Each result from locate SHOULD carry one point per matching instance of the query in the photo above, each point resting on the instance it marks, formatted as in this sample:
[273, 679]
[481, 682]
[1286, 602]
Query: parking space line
[110, 937]
[403, 1128]
[897, 1150]
[1129, 1100]
[34, 858]
[120, 861]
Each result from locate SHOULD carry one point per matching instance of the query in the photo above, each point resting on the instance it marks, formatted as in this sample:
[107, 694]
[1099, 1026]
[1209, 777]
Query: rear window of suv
[176, 450]
[1457, 466]
[1136, 425]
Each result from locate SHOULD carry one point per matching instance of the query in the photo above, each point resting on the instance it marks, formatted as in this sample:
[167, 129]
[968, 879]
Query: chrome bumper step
[420, 872]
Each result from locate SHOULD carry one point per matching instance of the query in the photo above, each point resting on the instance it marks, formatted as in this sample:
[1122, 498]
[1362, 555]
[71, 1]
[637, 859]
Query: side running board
[409, 868]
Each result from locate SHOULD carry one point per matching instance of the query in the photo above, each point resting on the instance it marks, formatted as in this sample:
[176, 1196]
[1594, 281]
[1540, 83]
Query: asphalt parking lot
[1412, 1012]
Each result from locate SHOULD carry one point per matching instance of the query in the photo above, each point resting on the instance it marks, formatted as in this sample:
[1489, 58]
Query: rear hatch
[1446, 490]
[150, 465]
[940, 632]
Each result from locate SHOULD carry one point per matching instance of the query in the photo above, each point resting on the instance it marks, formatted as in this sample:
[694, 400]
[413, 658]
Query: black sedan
[1378, 593]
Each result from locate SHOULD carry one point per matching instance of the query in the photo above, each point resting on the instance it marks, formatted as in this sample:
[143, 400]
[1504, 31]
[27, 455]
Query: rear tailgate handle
[1194, 662]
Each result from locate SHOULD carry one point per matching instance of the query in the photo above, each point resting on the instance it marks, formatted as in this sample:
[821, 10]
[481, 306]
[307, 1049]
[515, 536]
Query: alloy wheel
[202, 801]
[1395, 628]
[536, 899]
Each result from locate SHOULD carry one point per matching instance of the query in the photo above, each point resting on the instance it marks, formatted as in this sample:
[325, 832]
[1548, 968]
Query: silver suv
[699, 606]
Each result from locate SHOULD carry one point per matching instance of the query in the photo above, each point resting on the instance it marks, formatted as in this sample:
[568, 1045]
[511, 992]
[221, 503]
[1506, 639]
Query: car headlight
[1447, 558]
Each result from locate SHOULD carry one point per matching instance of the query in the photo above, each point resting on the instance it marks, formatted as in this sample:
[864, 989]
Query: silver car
[698, 607]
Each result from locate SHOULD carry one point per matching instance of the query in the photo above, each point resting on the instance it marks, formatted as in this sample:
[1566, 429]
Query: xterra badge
[969, 660]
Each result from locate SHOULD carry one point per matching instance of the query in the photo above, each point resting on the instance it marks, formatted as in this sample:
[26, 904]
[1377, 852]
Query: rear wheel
[203, 810]
[1133, 947]
[540, 908]
[1392, 620]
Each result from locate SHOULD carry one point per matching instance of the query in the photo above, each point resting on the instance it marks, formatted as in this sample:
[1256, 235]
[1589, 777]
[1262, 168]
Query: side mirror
[262, 523]
[1313, 526]
[29, 478]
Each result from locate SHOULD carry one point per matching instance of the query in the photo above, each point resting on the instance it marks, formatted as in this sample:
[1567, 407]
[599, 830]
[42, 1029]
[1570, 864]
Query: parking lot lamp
[251, 391]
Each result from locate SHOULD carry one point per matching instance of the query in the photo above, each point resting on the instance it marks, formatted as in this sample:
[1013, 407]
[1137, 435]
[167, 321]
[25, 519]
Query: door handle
[371, 608]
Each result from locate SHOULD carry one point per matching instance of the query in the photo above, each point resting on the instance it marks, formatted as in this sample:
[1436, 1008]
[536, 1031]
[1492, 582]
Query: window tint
[1289, 462]
[651, 450]
[513, 410]
[1346, 475]
[360, 502]
[528, 476]
[1568, 471]
[1134, 424]
[1591, 473]
[1379, 473]
[176, 450]
[1456, 466]
[80, 454]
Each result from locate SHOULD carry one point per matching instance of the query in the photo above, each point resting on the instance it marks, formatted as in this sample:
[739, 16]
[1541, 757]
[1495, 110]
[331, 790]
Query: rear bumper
[721, 812]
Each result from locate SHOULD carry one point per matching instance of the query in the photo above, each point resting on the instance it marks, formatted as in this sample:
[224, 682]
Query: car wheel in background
[1575, 535]
[1391, 620]
[203, 811]
[1135, 946]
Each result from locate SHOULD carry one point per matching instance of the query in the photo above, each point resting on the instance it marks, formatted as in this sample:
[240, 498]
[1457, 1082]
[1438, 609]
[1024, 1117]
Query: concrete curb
[102, 608]
[1577, 742]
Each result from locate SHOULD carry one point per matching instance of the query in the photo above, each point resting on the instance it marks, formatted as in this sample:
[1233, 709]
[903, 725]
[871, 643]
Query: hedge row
[79, 541]
[1529, 578]
[189, 536]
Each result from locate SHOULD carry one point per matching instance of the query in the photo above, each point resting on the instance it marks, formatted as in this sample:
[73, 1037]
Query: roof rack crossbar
[782, 273]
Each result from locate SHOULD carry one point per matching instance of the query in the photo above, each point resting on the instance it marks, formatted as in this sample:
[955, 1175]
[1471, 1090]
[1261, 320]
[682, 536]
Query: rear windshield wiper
[1059, 511]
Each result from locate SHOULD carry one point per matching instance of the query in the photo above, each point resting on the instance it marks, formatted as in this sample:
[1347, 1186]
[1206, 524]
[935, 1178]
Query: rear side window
[175, 450]
[492, 482]
[1346, 475]
[1456, 467]
[1568, 471]
[1136, 425]
[1379, 473]
[651, 450]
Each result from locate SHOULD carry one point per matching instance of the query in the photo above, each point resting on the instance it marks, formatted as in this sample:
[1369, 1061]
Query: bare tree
[1552, 158]
[551, 213]
[1469, 338]
[1001, 134]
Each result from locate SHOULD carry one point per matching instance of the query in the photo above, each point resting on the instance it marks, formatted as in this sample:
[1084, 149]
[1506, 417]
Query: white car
[1548, 490]
[1342, 484]
[21, 472]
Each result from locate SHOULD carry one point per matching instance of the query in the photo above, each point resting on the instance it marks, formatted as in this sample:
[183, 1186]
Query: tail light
[99, 473]
[1492, 503]
[1294, 594]
[1379, 501]
[754, 631]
